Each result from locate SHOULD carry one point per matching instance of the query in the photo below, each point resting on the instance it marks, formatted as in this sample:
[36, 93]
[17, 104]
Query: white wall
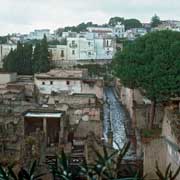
[7, 77]
[57, 52]
[87, 49]
[102, 50]
[58, 85]
[73, 45]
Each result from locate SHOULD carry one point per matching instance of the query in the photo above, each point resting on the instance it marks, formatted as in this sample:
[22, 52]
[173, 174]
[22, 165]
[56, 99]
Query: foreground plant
[62, 169]
[169, 174]
[9, 174]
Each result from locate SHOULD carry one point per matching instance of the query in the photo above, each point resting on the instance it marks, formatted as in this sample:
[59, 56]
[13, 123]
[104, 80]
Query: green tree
[36, 57]
[19, 59]
[44, 56]
[151, 63]
[8, 62]
[28, 59]
[132, 23]
[41, 57]
[114, 20]
[155, 21]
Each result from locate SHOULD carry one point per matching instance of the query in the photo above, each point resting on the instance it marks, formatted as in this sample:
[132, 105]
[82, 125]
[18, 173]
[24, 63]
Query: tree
[115, 20]
[36, 57]
[28, 59]
[151, 63]
[19, 60]
[41, 57]
[44, 60]
[8, 62]
[132, 23]
[155, 21]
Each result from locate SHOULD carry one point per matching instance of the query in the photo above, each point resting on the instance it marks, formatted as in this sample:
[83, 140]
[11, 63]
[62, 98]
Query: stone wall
[138, 106]
[165, 150]
[154, 151]
[73, 100]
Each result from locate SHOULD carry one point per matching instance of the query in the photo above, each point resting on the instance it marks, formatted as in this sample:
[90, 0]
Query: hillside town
[70, 100]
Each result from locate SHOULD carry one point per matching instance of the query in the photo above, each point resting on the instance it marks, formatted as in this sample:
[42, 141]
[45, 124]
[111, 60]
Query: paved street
[114, 118]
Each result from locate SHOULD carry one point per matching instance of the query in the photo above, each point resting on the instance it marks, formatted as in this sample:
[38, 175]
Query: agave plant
[108, 164]
[9, 174]
[86, 170]
[169, 174]
[62, 169]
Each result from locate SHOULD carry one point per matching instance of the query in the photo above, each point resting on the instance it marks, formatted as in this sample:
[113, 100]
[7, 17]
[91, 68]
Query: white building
[84, 47]
[69, 81]
[5, 50]
[39, 34]
[169, 25]
[119, 30]
[132, 34]
[101, 31]
[58, 52]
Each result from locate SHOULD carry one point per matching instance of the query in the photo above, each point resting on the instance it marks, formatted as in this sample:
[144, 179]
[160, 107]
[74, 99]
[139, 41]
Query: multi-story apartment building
[84, 47]
[39, 34]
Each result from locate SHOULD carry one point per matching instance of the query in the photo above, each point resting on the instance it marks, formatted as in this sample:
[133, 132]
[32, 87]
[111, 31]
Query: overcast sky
[25, 15]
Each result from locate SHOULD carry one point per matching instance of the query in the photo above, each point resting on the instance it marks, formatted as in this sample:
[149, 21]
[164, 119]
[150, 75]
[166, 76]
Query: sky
[23, 16]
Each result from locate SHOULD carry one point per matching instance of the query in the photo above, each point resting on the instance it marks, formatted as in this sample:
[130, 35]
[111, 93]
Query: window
[56, 102]
[107, 43]
[67, 82]
[51, 82]
[62, 53]
[73, 52]
[43, 83]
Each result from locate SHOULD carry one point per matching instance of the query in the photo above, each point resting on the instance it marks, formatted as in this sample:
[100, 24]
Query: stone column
[45, 129]
[61, 133]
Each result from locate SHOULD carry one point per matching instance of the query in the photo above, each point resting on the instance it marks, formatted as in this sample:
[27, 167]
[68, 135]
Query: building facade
[84, 47]
[68, 81]
[39, 34]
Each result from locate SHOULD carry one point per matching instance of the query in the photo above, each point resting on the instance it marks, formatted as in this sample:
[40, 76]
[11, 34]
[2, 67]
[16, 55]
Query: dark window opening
[62, 53]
